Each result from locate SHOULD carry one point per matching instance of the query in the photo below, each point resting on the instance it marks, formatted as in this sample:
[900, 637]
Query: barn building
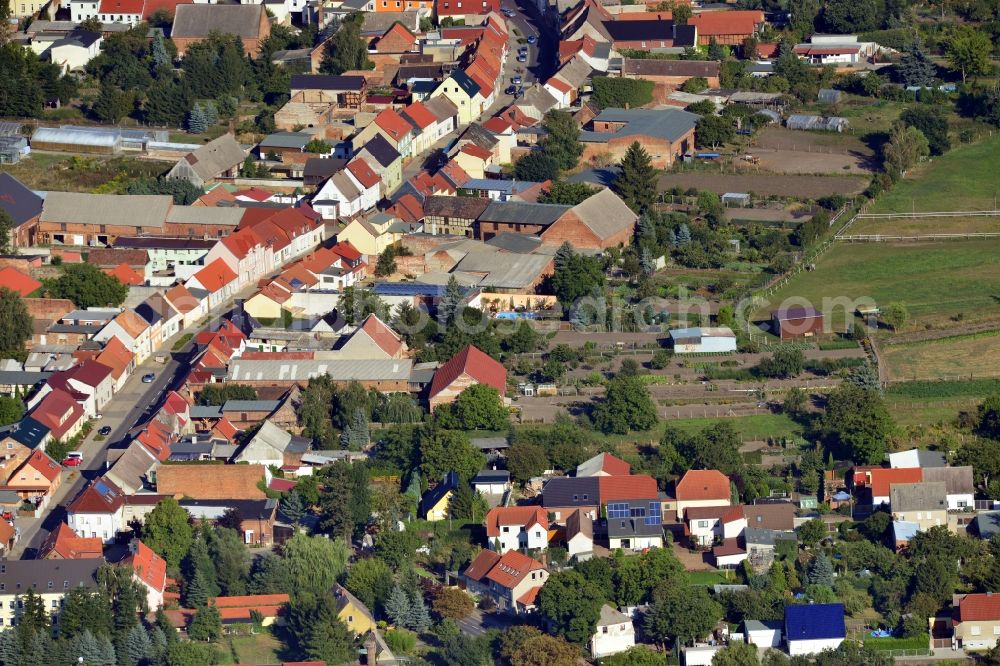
[796, 322]
[702, 340]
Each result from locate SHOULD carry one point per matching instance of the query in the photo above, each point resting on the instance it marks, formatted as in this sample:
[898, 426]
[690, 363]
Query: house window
[975, 630]
[604, 630]
[996, 630]
[703, 523]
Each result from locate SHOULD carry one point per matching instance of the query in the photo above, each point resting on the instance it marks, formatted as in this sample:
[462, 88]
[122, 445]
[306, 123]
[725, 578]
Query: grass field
[49, 171]
[256, 649]
[965, 178]
[947, 358]
[920, 226]
[708, 578]
[759, 426]
[936, 281]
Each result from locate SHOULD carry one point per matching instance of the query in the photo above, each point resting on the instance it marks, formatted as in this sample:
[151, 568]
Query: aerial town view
[499, 332]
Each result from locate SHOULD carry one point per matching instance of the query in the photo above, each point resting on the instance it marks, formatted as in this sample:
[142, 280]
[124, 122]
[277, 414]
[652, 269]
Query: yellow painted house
[353, 612]
[25, 8]
[263, 306]
[435, 503]
[373, 235]
[462, 91]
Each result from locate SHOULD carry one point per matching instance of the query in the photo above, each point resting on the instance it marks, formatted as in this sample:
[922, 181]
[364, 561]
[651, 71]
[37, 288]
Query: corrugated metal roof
[291, 370]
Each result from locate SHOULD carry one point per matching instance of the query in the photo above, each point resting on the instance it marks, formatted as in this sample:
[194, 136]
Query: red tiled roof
[979, 607]
[393, 124]
[517, 516]
[767, 49]
[481, 566]
[121, 7]
[882, 478]
[559, 85]
[100, 496]
[635, 486]
[511, 569]
[68, 545]
[148, 566]
[218, 194]
[420, 115]
[730, 546]
[347, 251]
[226, 428]
[176, 404]
[739, 22]
[613, 466]
[281, 485]
[383, 336]
[116, 356]
[360, 170]
[215, 276]
[467, 35]
[170, 6]
[43, 464]
[475, 363]
[408, 209]
[224, 481]
[254, 193]
[466, 8]
[17, 281]
[455, 173]
[181, 299]
[703, 484]
[125, 274]
[707, 512]
[58, 412]
[529, 597]
[90, 373]
[497, 125]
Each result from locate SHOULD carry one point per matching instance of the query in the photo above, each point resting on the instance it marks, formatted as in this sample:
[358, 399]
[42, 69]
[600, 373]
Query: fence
[842, 235]
[883, 238]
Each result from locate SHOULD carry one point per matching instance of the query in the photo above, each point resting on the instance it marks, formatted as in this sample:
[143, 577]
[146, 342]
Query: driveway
[479, 622]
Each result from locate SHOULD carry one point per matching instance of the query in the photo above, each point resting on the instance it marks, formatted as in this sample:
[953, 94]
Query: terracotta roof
[15, 280]
[730, 546]
[635, 486]
[90, 373]
[226, 429]
[215, 276]
[511, 569]
[481, 566]
[68, 545]
[347, 251]
[529, 597]
[882, 478]
[419, 115]
[181, 299]
[703, 484]
[559, 85]
[407, 208]
[517, 516]
[58, 412]
[708, 512]
[176, 404]
[115, 356]
[360, 170]
[476, 151]
[112, 257]
[255, 193]
[606, 463]
[43, 464]
[979, 607]
[150, 568]
[100, 496]
[497, 125]
[218, 482]
[131, 323]
[217, 194]
[383, 336]
[475, 363]
[150, 7]
[393, 124]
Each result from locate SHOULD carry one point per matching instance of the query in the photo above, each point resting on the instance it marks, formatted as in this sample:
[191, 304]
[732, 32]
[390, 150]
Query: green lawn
[964, 178]
[758, 426]
[708, 578]
[936, 281]
[948, 358]
[256, 649]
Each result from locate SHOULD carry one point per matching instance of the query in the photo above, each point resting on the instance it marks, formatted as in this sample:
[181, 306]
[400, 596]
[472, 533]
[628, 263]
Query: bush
[619, 93]
[401, 641]
[661, 358]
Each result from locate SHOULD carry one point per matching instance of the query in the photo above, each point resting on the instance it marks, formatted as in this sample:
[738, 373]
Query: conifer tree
[196, 121]
[636, 183]
[397, 607]
[420, 616]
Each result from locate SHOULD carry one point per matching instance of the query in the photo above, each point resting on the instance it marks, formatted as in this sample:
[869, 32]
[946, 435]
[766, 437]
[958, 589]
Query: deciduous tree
[167, 531]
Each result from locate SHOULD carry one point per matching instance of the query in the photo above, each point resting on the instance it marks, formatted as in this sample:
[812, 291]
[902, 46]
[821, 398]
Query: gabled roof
[100, 496]
[120, 7]
[737, 22]
[115, 356]
[468, 86]
[393, 124]
[381, 150]
[770, 516]
[43, 464]
[419, 115]
[224, 482]
[360, 170]
[221, 154]
[481, 566]
[603, 463]
[199, 21]
[17, 200]
[703, 484]
[215, 275]
[382, 335]
[58, 412]
[149, 567]
[808, 622]
[90, 373]
[434, 496]
[475, 363]
[634, 486]
[604, 213]
[958, 480]
[512, 568]
[924, 496]
[476, 151]
[978, 608]
[68, 545]
[883, 478]
[515, 516]
[16, 281]
[125, 274]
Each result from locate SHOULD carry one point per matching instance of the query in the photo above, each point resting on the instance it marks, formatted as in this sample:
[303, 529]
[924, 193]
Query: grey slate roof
[291, 370]
[250, 406]
[286, 140]
[381, 150]
[198, 21]
[924, 496]
[465, 82]
[17, 200]
[18, 576]
[223, 153]
[957, 480]
[571, 491]
[441, 107]
[667, 123]
[522, 212]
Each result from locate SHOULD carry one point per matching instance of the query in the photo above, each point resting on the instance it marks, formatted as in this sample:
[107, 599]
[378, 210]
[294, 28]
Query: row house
[431, 120]
[394, 128]
[51, 580]
[385, 161]
[133, 331]
[217, 279]
[163, 320]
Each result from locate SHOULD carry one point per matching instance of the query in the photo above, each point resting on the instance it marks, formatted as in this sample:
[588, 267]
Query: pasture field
[757, 426]
[941, 283]
[921, 226]
[947, 358]
[790, 185]
[964, 178]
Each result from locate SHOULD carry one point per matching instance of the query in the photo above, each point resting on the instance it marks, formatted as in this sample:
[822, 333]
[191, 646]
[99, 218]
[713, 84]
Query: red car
[72, 462]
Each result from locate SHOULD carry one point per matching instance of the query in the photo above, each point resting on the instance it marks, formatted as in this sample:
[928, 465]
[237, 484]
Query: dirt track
[785, 185]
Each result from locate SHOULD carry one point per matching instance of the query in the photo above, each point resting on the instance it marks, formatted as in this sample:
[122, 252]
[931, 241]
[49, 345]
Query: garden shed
[737, 199]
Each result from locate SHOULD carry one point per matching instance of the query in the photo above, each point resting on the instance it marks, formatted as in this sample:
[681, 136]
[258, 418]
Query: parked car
[516, 80]
[510, 90]
[73, 459]
[104, 431]
[98, 416]
[522, 57]
[509, 13]
[532, 39]
[148, 378]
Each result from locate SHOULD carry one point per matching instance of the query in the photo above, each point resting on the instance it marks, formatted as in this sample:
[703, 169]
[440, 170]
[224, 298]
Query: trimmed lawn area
[708, 578]
[964, 178]
[757, 426]
[947, 358]
[257, 649]
[928, 390]
[936, 281]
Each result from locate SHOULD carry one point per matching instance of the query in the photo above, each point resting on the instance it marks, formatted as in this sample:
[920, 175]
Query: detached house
[812, 628]
[97, 511]
[60, 414]
[373, 339]
[469, 366]
[614, 633]
[924, 503]
[517, 528]
[976, 622]
[219, 158]
[36, 479]
[512, 580]
[635, 524]
[702, 488]
[348, 193]
[149, 570]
